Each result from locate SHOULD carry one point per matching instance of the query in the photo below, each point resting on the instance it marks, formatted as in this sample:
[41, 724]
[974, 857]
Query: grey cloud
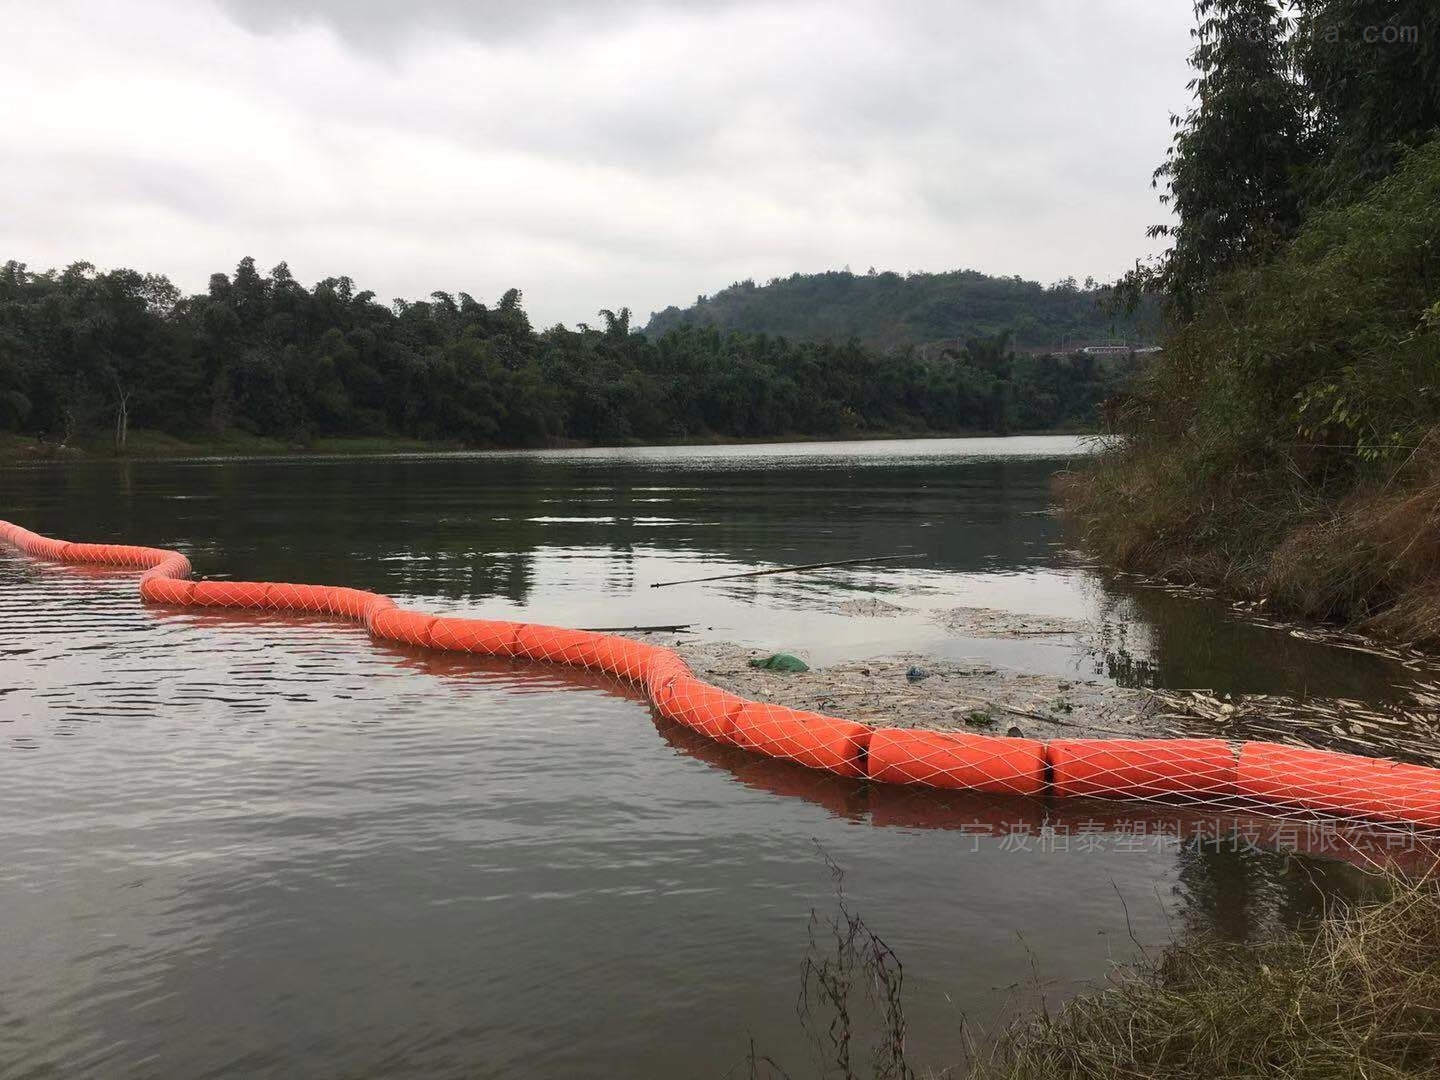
[381, 24]
[592, 154]
[112, 179]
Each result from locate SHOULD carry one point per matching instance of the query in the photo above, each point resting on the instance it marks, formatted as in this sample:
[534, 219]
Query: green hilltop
[888, 310]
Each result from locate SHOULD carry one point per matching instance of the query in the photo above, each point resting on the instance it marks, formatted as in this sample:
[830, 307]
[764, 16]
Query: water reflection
[1147, 637]
[579, 537]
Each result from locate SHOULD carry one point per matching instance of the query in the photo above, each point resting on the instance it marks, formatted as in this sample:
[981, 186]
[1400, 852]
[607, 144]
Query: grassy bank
[1357, 997]
[1352, 992]
[1286, 448]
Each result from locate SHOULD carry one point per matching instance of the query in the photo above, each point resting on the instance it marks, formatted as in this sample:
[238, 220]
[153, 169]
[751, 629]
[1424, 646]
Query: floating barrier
[1201, 774]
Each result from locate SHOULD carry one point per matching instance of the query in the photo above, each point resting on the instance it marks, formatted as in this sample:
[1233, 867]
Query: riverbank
[1285, 448]
[156, 445]
[1365, 558]
[1353, 996]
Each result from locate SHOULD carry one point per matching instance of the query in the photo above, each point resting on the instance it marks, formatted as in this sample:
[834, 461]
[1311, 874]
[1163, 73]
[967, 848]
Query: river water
[250, 845]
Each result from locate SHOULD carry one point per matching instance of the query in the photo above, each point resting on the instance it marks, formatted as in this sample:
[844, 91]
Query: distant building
[1118, 348]
[1106, 350]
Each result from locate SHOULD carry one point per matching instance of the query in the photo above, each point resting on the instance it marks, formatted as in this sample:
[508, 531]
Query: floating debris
[870, 608]
[882, 692]
[876, 692]
[993, 623]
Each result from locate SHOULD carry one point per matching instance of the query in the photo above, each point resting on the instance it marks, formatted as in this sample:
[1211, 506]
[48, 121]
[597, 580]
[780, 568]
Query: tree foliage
[889, 310]
[1232, 171]
[1371, 70]
[1299, 105]
[1287, 446]
[1327, 356]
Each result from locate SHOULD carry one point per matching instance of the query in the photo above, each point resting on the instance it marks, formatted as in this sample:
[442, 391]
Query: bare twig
[788, 569]
[671, 629]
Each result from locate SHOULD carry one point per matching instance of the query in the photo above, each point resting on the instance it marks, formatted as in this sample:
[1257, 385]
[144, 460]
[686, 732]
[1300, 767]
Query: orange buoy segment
[1265, 774]
[664, 667]
[556, 644]
[955, 759]
[135, 558]
[46, 548]
[409, 627]
[484, 636]
[627, 658]
[166, 590]
[1339, 784]
[236, 594]
[698, 705]
[1138, 768]
[173, 565]
[287, 596]
[822, 742]
[623, 657]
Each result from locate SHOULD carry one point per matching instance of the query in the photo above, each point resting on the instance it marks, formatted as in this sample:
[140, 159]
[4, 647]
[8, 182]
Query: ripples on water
[267, 846]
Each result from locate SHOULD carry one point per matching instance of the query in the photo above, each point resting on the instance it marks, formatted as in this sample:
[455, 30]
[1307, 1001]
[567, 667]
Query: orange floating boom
[1201, 772]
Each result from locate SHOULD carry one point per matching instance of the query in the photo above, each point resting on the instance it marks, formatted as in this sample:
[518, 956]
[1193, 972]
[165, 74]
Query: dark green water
[243, 845]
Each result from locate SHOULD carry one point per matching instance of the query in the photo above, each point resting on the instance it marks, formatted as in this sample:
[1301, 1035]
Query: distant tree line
[83, 353]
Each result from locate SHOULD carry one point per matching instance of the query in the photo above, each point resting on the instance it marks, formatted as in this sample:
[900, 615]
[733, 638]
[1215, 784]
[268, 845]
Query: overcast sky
[593, 153]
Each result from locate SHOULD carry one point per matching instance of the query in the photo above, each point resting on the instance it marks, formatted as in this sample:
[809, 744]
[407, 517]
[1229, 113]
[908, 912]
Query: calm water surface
[244, 845]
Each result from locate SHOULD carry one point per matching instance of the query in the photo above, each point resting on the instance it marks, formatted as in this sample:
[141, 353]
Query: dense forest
[1286, 447]
[887, 310]
[86, 355]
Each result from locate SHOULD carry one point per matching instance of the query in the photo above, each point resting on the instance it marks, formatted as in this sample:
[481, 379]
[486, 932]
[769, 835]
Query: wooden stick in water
[788, 569]
[673, 628]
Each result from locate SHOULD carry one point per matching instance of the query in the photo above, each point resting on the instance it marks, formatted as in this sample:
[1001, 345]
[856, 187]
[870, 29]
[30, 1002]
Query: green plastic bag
[781, 661]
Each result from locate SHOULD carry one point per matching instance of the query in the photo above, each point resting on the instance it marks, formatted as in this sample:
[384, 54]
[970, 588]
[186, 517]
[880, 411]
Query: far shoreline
[157, 446]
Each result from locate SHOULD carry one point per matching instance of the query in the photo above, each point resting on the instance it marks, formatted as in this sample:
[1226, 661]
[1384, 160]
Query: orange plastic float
[1136, 768]
[1339, 783]
[957, 759]
[407, 627]
[483, 636]
[822, 742]
[241, 594]
[1261, 777]
[622, 657]
[700, 706]
[663, 669]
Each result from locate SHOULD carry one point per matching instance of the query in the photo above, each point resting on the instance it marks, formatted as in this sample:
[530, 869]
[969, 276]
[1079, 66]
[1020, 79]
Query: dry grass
[1356, 995]
[1369, 559]
[1375, 560]
[1358, 998]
